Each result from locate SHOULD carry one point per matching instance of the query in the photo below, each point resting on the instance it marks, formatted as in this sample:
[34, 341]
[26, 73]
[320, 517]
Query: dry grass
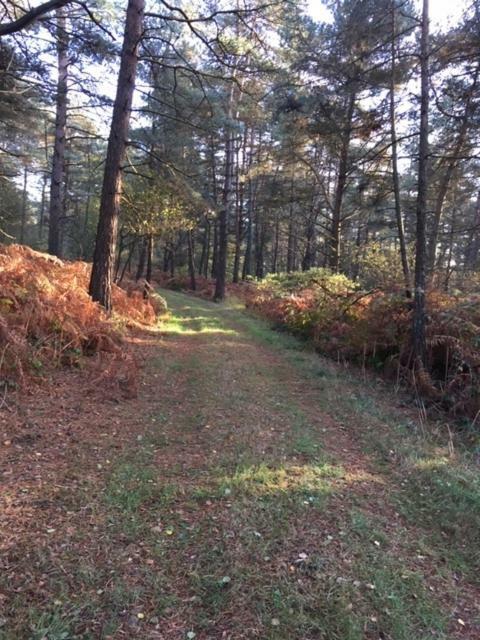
[47, 317]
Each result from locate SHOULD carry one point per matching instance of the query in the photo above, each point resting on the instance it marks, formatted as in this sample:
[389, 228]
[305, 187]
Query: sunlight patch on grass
[195, 325]
[261, 479]
[432, 463]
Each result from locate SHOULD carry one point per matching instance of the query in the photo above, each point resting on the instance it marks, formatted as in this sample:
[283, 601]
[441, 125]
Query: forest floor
[252, 490]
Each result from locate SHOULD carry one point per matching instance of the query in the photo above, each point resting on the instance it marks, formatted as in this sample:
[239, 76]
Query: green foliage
[286, 283]
[379, 266]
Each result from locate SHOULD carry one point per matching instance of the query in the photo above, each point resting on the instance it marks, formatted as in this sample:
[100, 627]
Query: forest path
[253, 490]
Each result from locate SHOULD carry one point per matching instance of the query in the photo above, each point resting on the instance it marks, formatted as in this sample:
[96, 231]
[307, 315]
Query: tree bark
[247, 261]
[57, 184]
[251, 193]
[148, 275]
[41, 215]
[150, 246]
[395, 177]
[290, 239]
[142, 259]
[104, 255]
[191, 260]
[221, 273]
[24, 205]
[419, 315]
[205, 255]
[276, 243]
[259, 237]
[239, 195]
[334, 255]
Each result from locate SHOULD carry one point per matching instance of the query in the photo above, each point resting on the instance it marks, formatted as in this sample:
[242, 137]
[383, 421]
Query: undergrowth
[372, 329]
[47, 317]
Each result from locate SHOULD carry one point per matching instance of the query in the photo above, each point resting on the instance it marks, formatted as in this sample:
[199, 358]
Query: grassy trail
[254, 490]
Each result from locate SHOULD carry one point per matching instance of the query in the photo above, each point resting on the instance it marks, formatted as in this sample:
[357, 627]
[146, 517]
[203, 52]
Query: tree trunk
[191, 260]
[57, 201]
[334, 256]
[148, 275]
[223, 217]
[213, 272]
[239, 191]
[247, 261]
[276, 243]
[173, 251]
[142, 259]
[251, 192]
[121, 246]
[419, 316]
[259, 244]
[104, 255]
[205, 255]
[24, 205]
[290, 239]
[150, 246]
[238, 229]
[395, 177]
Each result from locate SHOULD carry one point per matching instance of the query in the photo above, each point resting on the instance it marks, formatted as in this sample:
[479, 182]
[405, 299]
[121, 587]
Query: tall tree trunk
[251, 195]
[41, 217]
[213, 160]
[224, 215]
[290, 239]
[419, 316]
[43, 198]
[142, 259]
[150, 246]
[213, 271]
[276, 243]
[247, 261]
[121, 246]
[335, 233]
[259, 244]
[191, 260]
[239, 191]
[86, 219]
[203, 254]
[23, 221]
[166, 256]
[395, 178]
[173, 252]
[207, 250]
[57, 201]
[148, 275]
[104, 255]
